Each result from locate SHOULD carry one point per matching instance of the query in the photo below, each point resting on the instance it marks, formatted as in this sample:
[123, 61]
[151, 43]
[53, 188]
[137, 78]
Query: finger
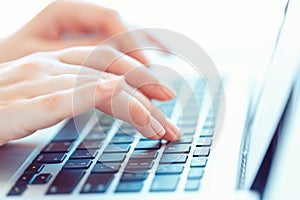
[47, 85]
[115, 62]
[84, 17]
[172, 132]
[24, 117]
[127, 108]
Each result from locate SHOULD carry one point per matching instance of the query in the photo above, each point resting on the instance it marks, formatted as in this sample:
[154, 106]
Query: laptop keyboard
[113, 157]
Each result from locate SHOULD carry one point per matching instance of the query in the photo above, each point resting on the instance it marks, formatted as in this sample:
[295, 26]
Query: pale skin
[43, 79]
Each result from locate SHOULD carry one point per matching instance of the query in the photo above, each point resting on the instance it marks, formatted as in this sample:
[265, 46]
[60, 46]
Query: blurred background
[237, 34]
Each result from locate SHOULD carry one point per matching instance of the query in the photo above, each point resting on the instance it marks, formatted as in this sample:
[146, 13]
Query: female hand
[49, 82]
[68, 23]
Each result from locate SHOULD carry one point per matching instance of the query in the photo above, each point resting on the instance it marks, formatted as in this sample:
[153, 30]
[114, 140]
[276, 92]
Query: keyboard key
[106, 167]
[34, 168]
[144, 154]
[42, 179]
[196, 173]
[90, 144]
[199, 162]
[170, 169]
[84, 154]
[111, 157]
[49, 158]
[136, 164]
[24, 179]
[186, 139]
[77, 164]
[192, 185]
[17, 190]
[204, 141]
[173, 158]
[117, 148]
[163, 183]
[97, 183]
[96, 134]
[148, 144]
[105, 120]
[58, 147]
[207, 133]
[124, 139]
[134, 186]
[66, 181]
[126, 176]
[68, 133]
[177, 148]
[188, 130]
[201, 151]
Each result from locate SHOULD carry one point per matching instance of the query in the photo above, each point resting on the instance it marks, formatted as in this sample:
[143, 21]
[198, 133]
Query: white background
[226, 29]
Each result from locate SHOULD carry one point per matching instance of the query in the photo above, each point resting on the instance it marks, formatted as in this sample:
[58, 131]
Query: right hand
[37, 91]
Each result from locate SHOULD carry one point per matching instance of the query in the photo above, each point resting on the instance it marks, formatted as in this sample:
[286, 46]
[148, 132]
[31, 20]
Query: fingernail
[157, 127]
[109, 85]
[168, 92]
[175, 130]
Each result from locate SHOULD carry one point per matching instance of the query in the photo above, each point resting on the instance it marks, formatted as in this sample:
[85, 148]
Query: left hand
[49, 29]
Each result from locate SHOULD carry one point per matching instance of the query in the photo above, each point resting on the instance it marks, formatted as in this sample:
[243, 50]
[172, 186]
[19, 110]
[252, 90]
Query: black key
[148, 144]
[196, 173]
[105, 120]
[126, 176]
[117, 148]
[106, 167]
[204, 141]
[124, 139]
[134, 186]
[192, 185]
[111, 157]
[66, 181]
[90, 144]
[201, 151]
[188, 130]
[144, 154]
[17, 190]
[199, 162]
[96, 135]
[173, 158]
[177, 148]
[68, 133]
[84, 154]
[49, 158]
[77, 164]
[186, 139]
[58, 147]
[207, 133]
[34, 168]
[136, 164]
[42, 179]
[163, 183]
[24, 179]
[207, 127]
[97, 183]
[170, 169]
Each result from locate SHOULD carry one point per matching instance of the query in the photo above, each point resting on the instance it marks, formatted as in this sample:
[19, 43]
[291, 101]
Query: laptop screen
[275, 93]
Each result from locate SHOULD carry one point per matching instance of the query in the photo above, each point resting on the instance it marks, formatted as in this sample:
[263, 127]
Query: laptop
[95, 156]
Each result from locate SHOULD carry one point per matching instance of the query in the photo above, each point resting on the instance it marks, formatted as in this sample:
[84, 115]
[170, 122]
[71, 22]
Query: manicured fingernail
[168, 92]
[157, 127]
[109, 85]
[175, 130]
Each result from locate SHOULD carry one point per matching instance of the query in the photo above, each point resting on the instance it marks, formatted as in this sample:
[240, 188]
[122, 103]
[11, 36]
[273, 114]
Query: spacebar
[65, 181]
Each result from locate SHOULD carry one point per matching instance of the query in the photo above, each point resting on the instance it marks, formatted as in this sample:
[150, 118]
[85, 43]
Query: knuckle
[51, 102]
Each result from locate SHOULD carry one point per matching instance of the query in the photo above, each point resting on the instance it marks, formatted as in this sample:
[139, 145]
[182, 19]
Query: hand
[49, 82]
[64, 24]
